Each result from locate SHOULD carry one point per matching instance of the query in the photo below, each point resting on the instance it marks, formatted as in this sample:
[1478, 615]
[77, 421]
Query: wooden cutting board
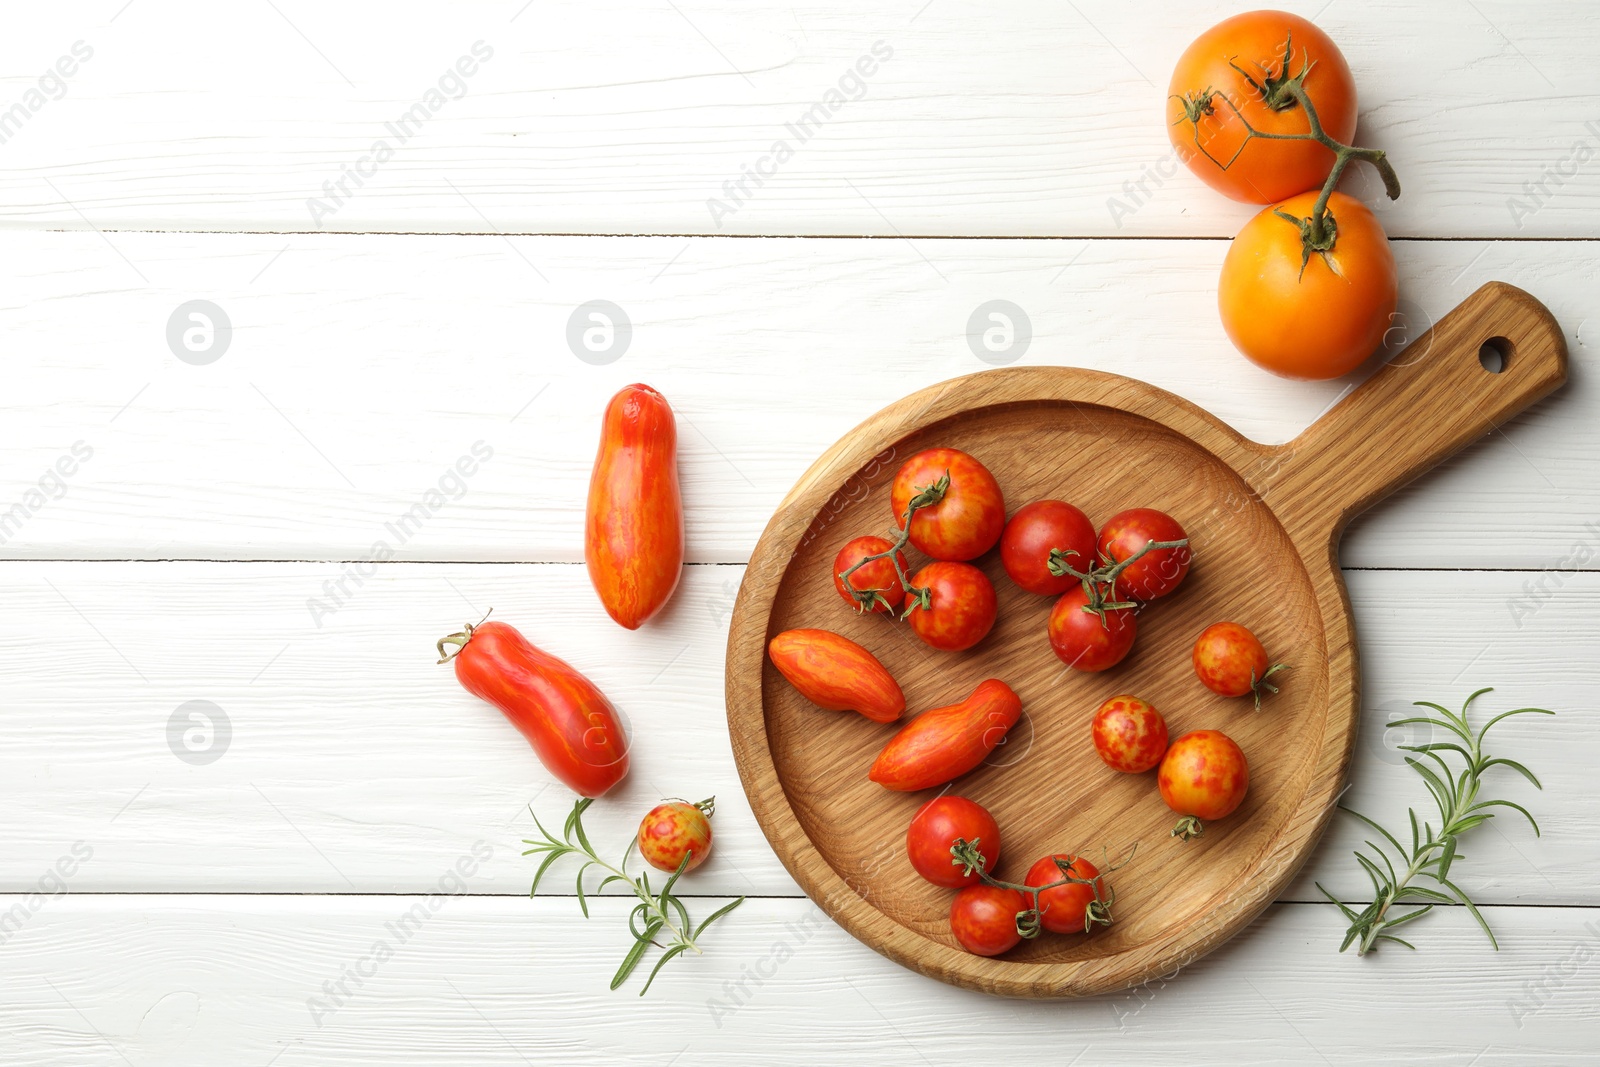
[1264, 523]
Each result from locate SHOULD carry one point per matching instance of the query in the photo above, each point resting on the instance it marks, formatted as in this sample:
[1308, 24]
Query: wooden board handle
[1435, 397]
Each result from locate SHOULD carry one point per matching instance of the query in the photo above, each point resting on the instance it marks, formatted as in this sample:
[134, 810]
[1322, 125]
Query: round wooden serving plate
[1264, 523]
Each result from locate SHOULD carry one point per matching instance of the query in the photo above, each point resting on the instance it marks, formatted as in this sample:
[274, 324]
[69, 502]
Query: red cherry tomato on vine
[983, 919]
[1242, 61]
[961, 609]
[935, 828]
[1204, 776]
[1230, 660]
[1037, 529]
[1319, 322]
[963, 525]
[878, 576]
[1064, 909]
[1159, 571]
[1129, 734]
[1082, 641]
[674, 829]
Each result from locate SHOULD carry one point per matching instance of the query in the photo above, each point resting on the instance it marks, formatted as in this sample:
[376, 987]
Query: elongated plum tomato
[633, 531]
[877, 577]
[572, 726]
[1129, 734]
[1157, 572]
[1245, 63]
[1064, 909]
[967, 521]
[1036, 530]
[945, 743]
[1081, 641]
[983, 919]
[1319, 322]
[835, 673]
[937, 825]
[961, 608]
[1230, 660]
[674, 829]
[1203, 776]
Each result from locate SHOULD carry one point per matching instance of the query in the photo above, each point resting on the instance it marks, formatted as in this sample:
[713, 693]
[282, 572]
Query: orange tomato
[1243, 60]
[836, 674]
[1314, 318]
[633, 531]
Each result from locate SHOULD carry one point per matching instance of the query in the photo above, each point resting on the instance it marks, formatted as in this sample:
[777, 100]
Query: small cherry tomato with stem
[938, 825]
[1068, 885]
[1129, 734]
[967, 513]
[674, 829]
[1145, 553]
[875, 570]
[1230, 660]
[1042, 536]
[952, 606]
[984, 919]
[1074, 907]
[1090, 640]
[1203, 776]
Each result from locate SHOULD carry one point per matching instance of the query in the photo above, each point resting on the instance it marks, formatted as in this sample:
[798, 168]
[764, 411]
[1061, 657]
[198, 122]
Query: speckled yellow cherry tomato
[674, 829]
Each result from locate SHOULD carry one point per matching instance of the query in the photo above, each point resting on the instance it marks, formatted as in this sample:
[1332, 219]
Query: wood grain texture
[1023, 118]
[355, 762]
[1264, 524]
[100, 982]
[362, 368]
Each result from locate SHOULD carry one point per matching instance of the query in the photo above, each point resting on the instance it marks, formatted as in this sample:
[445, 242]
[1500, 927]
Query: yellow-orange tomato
[1242, 59]
[674, 830]
[1203, 776]
[1318, 322]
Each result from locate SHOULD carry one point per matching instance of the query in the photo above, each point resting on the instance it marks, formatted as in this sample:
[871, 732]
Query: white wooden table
[212, 541]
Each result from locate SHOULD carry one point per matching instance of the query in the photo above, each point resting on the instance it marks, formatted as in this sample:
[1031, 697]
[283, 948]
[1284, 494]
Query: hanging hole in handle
[1494, 355]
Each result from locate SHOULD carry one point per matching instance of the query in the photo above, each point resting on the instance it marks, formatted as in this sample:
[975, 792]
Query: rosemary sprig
[1432, 851]
[658, 913]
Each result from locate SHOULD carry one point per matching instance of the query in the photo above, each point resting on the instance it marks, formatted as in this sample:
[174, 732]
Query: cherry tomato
[967, 521]
[1037, 529]
[878, 576]
[983, 919]
[945, 743]
[961, 609]
[1064, 909]
[1081, 640]
[1204, 776]
[1159, 571]
[572, 726]
[836, 674]
[1129, 734]
[935, 828]
[633, 529]
[1230, 661]
[1218, 69]
[1310, 318]
[674, 829]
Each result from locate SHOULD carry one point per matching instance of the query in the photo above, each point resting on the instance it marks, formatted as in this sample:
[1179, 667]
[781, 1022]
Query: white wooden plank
[360, 370]
[356, 764]
[630, 116]
[129, 979]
